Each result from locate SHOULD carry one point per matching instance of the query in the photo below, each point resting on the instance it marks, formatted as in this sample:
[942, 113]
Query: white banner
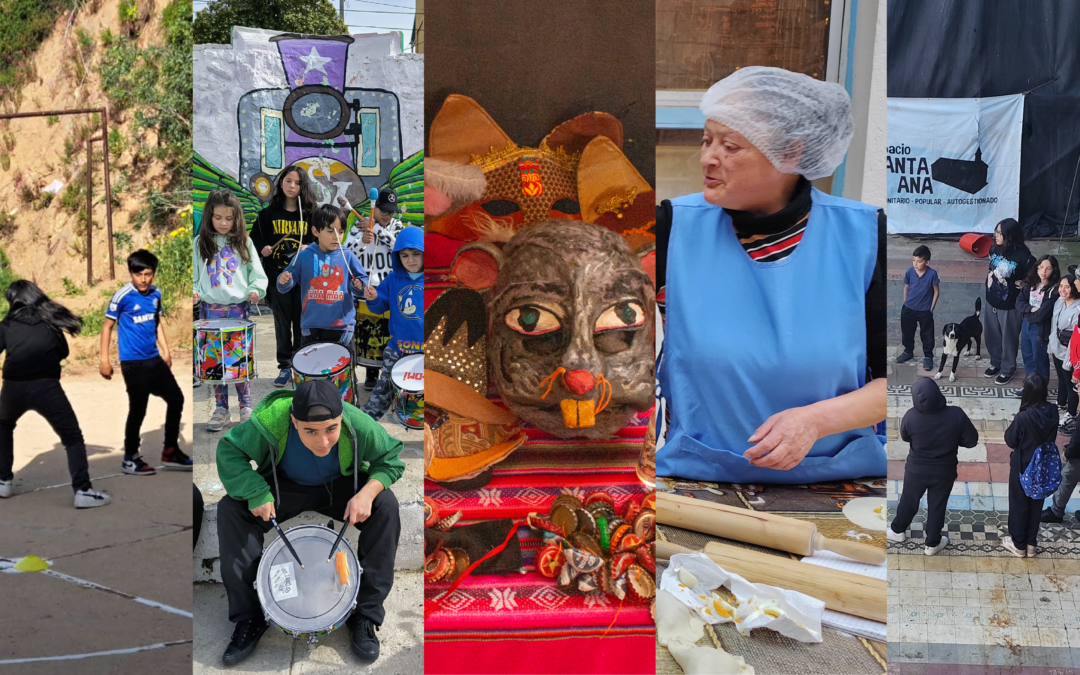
[953, 163]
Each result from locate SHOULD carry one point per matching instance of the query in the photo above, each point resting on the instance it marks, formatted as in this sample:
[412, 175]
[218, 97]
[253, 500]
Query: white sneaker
[89, 499]
[1065, 419]
[897, 537]
[1031, 551]
[7, 487]
[1009, 546]
[934, 550]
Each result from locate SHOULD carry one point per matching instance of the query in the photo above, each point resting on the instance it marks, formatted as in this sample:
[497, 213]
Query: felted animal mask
[578, 172]
[570, 326]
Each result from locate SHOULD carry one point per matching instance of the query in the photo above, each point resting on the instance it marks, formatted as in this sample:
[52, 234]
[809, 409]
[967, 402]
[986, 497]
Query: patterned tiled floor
[974, 608]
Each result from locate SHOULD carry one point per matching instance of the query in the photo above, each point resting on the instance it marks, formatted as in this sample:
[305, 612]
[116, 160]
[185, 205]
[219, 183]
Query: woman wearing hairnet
[773, 363]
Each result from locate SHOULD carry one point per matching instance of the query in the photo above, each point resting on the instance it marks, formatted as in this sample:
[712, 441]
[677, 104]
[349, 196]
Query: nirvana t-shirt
[284, 232]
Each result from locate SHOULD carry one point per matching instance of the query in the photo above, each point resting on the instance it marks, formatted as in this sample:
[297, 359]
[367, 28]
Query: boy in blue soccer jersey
[145, 362]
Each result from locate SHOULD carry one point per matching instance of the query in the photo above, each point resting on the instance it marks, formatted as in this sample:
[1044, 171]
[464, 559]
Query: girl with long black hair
[1010, 260]
[281, 231]
[32, 333]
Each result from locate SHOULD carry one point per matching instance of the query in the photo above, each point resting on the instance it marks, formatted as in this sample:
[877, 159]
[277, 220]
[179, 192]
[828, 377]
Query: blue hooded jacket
[403, 296]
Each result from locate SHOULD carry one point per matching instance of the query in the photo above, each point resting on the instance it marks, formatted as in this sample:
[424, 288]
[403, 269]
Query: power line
[384, 4]
[379, 11]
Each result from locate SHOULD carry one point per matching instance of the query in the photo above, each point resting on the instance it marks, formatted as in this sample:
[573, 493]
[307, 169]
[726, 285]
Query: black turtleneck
[748, 225]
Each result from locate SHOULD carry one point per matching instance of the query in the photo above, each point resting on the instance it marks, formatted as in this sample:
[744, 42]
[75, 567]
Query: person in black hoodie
[281, 231]
[935, 432]
[1035, 424]
[32, 333]
[1035, 303]
[1009, 263]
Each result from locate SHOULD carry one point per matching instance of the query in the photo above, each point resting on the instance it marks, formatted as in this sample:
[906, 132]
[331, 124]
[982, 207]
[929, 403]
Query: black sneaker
[905, 357]
[371, 381]
[928, 363]
[175, 459]
[365, 644]
[244, 640]
[1048, 516]
[136, 467]
[1003, 378]
[991, 371]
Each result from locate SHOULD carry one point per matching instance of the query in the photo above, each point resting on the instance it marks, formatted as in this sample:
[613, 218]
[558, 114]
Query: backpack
[1043, 475]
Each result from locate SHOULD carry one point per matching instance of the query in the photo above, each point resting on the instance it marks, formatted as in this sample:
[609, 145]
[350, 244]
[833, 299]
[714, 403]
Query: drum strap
[273, 469]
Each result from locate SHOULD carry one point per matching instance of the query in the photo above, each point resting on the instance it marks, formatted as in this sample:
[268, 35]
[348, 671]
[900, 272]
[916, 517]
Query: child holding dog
[935, 432]
[1035, 304]
[1010, 260]
[921, 292]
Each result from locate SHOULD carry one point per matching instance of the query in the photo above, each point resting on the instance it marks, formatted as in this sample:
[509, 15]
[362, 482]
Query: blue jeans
[1036, 359]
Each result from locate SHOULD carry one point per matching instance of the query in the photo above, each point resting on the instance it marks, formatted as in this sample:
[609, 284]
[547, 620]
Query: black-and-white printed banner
[953, 163]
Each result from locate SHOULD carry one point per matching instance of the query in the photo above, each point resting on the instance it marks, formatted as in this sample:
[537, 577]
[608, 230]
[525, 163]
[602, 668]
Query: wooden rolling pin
[840, 591]
[755, 527]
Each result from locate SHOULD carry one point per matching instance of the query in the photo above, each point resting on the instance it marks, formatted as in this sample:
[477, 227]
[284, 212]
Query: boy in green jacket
[319, 444]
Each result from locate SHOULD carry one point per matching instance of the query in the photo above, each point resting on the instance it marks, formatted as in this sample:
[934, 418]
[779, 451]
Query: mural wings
[206, 178]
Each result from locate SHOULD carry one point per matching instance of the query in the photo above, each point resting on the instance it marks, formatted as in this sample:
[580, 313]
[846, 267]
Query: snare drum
[307, 602]
[408, 378]
[325, 361]
[224, 350]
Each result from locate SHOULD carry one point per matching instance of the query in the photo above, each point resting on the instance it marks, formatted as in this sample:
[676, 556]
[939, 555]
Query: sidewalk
[107, 562]
[401, 637]
[974, 608]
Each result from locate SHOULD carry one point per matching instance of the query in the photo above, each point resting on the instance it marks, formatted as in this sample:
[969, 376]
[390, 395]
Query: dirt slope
[47, 245]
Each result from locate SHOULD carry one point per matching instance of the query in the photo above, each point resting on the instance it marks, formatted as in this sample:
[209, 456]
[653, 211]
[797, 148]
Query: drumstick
[337, 541]
[282, 534]
[757, 527]
[373, 196]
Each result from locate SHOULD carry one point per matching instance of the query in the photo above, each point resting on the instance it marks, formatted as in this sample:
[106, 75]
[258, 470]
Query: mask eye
[500, 207]
[625, 314]
[567, 206]
[531, 320]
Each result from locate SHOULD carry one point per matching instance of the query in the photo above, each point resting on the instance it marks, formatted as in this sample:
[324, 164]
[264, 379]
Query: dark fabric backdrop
[533, 65]
[972, 48]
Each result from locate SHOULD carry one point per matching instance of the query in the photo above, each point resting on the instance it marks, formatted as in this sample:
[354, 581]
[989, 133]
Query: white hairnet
[800, 124]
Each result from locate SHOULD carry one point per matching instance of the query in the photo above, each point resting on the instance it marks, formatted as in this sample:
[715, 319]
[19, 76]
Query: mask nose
[580, 381]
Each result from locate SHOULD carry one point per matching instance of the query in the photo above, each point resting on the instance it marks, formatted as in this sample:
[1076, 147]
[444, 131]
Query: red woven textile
[526, 623]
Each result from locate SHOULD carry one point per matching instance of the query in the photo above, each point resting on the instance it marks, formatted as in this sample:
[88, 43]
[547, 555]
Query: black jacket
[1001, 293]
[1030, 429]
[935, 430]
[1041, 317]
[34, 349]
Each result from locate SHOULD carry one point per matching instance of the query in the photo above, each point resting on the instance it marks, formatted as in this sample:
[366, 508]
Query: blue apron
[744, 340]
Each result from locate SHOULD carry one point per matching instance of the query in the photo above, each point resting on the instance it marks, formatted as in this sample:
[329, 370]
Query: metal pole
[47, 113]
[89, 214]
[108, 190]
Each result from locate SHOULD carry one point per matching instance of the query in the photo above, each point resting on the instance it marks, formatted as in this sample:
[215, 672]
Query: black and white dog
[958, 338]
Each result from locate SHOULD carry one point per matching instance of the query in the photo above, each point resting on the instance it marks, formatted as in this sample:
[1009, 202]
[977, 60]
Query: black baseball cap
[387, 201]
[316, 401]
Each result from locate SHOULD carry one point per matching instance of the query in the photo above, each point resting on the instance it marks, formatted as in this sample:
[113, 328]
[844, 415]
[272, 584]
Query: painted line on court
[68, 484]
[7, 565]
[111, 652]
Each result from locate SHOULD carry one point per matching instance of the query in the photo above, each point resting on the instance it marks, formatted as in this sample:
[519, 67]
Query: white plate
[861, 512]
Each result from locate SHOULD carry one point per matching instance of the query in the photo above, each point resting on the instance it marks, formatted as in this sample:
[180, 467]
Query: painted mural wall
[346, 108]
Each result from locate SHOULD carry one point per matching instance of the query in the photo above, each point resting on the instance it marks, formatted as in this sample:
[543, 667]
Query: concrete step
[409, 490]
